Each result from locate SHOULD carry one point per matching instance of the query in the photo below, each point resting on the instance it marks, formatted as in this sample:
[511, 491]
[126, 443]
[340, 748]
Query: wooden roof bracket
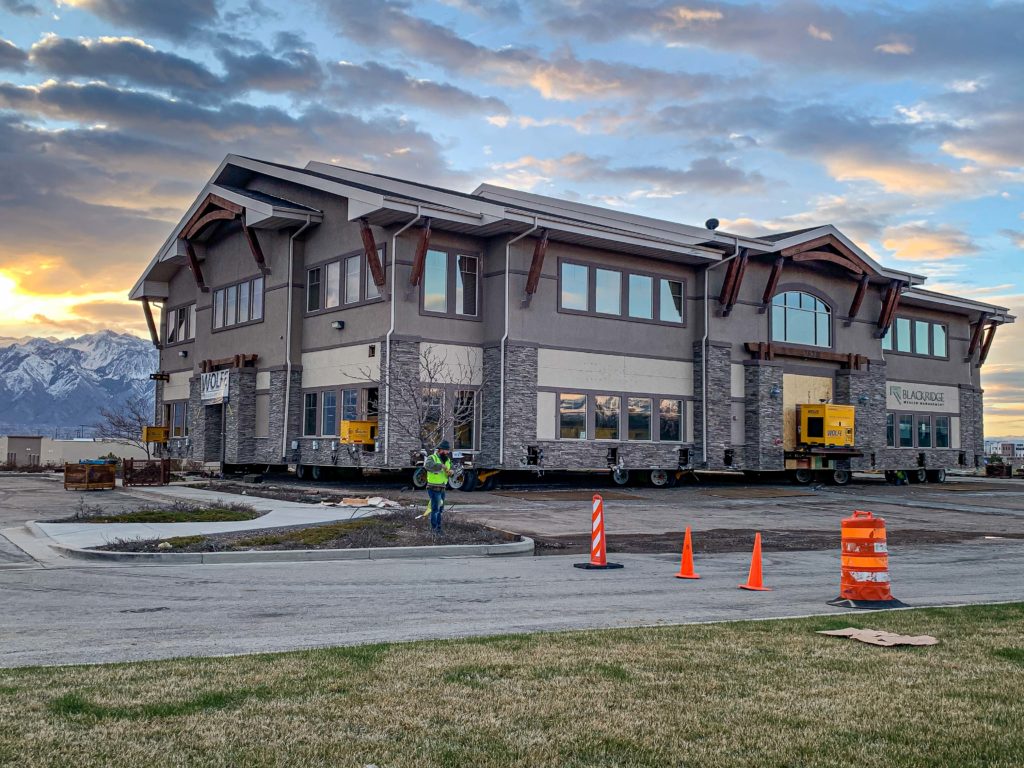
[988, 344]
[976, 336]
[193, 264]
[420, 258]
[540, 250]
[372, 256]
[772, 284]
[889, 305]
[858, 299]
[154, 335]
[734, 294]
[255, 249]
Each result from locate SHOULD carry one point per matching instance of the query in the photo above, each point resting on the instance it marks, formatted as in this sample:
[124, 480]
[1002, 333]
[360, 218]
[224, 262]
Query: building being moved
[329, 318]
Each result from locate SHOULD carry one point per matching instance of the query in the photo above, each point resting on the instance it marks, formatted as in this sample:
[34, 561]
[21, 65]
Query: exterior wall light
[863, 400]
[775, 391]
[338, 325]
[183, 353]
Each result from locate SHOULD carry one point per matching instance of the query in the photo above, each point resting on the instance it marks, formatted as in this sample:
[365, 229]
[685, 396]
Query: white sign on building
[929, 398]
[214, 387]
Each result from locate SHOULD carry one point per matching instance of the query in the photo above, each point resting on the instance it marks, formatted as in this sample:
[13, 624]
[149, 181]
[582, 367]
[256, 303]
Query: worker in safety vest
[439, 469]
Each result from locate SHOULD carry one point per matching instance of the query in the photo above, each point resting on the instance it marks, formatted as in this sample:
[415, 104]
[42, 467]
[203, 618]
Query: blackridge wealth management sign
[906, 396]
[214, 387]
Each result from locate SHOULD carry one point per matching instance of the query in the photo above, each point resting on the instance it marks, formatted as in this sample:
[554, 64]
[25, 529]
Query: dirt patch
[307, 495]
[178, 512]
[719, 540]
[396, 529]
[755, 493]
[568, 495]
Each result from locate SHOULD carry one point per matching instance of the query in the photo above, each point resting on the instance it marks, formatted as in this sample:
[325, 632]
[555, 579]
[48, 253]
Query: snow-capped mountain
[49, 385]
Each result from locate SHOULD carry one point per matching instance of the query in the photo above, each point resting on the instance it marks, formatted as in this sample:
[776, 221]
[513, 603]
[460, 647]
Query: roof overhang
[930, 299]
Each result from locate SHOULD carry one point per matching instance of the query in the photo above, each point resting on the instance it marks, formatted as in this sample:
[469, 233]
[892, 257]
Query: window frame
[338, 390]
[913, 322]
[365, 279]
[916, 418]
[253, 293]
[591, 396]
[625, 273]
[804, 291]
[189, 310]
[171, 409]
[451, 297]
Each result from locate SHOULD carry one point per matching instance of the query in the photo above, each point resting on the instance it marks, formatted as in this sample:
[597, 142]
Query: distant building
[35, 450]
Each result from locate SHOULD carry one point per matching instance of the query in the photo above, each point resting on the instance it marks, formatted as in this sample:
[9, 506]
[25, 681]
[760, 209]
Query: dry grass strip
[741, 694]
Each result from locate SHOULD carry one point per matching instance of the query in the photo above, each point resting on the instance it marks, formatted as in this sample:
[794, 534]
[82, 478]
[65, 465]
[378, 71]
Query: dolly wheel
[936, 475]
[802, 476]
[301, 472]
[840, 477]
[463, 480]
[620, 476]
[661, 478]
[419, 478]
[919, 475]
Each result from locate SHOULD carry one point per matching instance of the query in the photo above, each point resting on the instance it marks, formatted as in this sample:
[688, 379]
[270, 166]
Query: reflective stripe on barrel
[598, 554]
[865, 558]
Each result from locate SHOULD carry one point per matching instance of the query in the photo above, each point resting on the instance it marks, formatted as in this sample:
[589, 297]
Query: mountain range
[52, 386]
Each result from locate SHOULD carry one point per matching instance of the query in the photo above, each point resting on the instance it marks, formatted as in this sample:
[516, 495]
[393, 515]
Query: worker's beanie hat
[444, 446]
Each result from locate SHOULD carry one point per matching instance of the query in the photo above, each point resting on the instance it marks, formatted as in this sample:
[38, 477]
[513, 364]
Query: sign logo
[214, 387]
[922, 398]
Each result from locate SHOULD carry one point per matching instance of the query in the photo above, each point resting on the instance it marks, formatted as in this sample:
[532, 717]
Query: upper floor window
[239, 303]
[800, 318]
[603, 291]
[342, 282]
[181, 324]
[451, 283]
[917, 337]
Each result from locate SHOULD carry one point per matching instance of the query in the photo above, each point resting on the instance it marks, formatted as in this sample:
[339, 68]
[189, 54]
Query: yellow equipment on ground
[358, 432]
[825, 425]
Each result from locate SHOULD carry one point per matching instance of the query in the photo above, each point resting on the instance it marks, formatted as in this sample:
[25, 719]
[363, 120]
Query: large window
[181, 324]
[619, 417]
[607, 417]
[451, 283]
[594, 290]
[908, 430]
[309, 420]
[572, 416]
[239, 303]
[942, 431]
[325, 409]
[800, 318]
[670, 418]
[464, 420]
[178, 418]
[917, 337]
[345, 281]
[329, 404]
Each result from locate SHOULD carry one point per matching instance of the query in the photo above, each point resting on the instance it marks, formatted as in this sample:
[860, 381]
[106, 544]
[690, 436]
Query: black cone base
[845, 602]
[592, 567]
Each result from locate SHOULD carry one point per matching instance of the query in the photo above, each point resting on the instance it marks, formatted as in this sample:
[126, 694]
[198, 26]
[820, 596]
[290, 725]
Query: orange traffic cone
[754, 580]
[686, 565]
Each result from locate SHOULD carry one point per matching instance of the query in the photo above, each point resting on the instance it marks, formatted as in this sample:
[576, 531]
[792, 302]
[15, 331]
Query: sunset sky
[899, 122]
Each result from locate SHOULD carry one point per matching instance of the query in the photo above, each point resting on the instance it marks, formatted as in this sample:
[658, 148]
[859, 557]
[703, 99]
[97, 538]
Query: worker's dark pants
[436, 506]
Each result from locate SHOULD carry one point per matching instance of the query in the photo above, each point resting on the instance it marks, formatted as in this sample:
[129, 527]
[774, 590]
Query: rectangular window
[372, 403]
[890, 430]
[352, 279]
[887, 340]
[172, 326]
[329, 423]
[192, 321]
[179, 423]
[924, 432]
[939, 340]
[639, 418]
[575, 289]
[350, 404]
[435, 282]
[243, 302]
[231, 305]
[464, 420]
[902, 334]
[670, 421]
[572, 417]
[670, 301]
[921, 340]
[607, 411]
[257, 298]
[313, 290]
[310, 415]
[906, 431]
[641, 297]
[942, 431]
[372, 291]
[466, 285]
[332, 291]
[218, 309]
[608, 292]
[431, 428]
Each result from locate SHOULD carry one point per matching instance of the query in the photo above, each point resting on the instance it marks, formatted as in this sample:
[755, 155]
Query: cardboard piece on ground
[879, 637]
[380, 501]
[350, 502]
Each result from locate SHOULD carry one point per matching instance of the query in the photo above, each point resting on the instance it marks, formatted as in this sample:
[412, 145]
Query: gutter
[288, 335]
[390, 333]
[504, 341]
[705, 347]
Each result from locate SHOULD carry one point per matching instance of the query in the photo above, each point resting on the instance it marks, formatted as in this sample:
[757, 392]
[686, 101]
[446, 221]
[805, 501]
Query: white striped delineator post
[598, 546]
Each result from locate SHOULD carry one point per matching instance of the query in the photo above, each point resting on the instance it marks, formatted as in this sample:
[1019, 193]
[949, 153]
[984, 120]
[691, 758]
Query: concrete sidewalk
[279, 514]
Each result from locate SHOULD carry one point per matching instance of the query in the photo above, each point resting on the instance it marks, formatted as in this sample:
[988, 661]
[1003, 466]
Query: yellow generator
[358, 432]
[154, 434]
[824, 425]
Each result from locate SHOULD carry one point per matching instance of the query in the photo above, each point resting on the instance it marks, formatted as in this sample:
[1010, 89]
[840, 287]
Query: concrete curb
[522, 548]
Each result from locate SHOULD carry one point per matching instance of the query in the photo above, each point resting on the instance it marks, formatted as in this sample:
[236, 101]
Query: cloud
[21, 7]
[819, 34]
[920, 241]
[11, 56]
[1016, 236]
[291, 71]
[503, 10]
[372, 84]
[895, 48]
[173, 19]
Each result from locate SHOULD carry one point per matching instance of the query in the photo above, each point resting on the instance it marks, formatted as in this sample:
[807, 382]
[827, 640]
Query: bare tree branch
[124, 422]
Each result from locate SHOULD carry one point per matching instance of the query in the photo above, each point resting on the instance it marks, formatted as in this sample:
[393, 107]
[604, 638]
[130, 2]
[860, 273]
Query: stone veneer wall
[851, 387]
[763, 417]
[972, 425]
[719, 405]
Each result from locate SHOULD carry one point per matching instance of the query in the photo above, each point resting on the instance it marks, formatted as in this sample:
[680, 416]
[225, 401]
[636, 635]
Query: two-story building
[536, 332]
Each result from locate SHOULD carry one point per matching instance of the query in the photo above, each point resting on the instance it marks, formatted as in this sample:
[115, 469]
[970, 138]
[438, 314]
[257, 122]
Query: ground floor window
[176, 418]
[942, 431]
[309, 414]
[907, 430]
[324, 410]
[619, 416]
[607, 415]
[464, 420]
[670, 420]
[572, 416]
[639, 418]
[329, 425]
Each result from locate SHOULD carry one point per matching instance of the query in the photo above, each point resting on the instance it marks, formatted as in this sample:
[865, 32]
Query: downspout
[387, 338]
[288, 336]
[705, 349]
[504, 341]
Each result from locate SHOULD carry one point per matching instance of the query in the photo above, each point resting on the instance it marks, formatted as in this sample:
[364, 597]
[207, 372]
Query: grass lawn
[175, 513]
[741, 694]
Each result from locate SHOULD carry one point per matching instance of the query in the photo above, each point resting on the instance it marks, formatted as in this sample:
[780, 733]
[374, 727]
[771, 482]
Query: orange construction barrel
[864, 552]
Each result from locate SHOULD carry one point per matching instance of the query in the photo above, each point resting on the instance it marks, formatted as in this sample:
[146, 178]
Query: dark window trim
[189, 325]
[624, 273]
[814, 293]
[338, 405]
[919, 416]
[233, 326]
[913, 338]
[448, 391]
[591, 417]
[452, 267]
[364, 271]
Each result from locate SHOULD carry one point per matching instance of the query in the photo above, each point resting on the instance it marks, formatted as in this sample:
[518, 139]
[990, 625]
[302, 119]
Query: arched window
[800, 318]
